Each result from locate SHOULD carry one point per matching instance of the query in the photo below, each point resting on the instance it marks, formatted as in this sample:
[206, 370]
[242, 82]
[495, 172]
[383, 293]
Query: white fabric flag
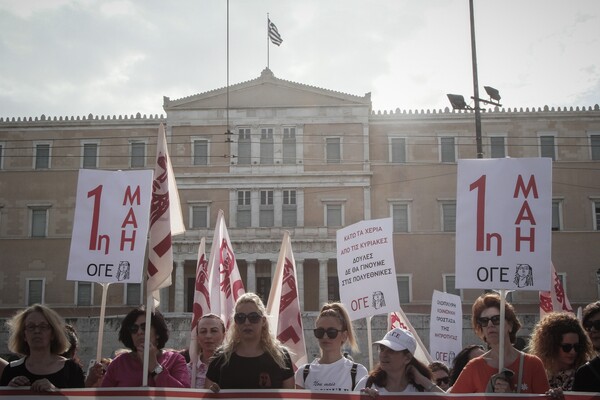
[283, 306]
[201, 304]
[160, 253]
[224, 276]
[398, 319]
[556, 299]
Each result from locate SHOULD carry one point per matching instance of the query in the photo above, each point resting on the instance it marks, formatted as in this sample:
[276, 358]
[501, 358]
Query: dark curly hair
[157, 322]
[589, 311]
[547, 337]
[461, 359]
[492, 300]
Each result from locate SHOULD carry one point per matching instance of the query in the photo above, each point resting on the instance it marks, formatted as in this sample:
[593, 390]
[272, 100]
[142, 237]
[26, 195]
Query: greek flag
[274, 34]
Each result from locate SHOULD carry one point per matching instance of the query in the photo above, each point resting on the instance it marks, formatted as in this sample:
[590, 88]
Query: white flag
[398, 319]
[556, 298]
[224, 276]
[160, 253]
[283, 306]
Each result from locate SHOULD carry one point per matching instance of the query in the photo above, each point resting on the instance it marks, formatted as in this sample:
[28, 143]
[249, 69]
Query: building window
[596, 205]
[400, 217]
[290, 208]
[35, 291]
[449, 217]
[404, 288]
[133, 294]
[85, 291]
[594, 145]
[266, 146]
[90, 155]
[138, 154]
[547, 148]
[333, 149]
[447, 150]
[244, 214]
[199, 216]
[267, 211]
[334, 214]
[497, 147]
[244, 146]
[450, 285]
[200, 152]
[289, 145]
[556, 215]
[398, 150]
[39, 222]
[42, 156]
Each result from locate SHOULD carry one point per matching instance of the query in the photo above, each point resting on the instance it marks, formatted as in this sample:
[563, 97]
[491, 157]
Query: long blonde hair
[16, 342]
[268, 342]
[337, 310]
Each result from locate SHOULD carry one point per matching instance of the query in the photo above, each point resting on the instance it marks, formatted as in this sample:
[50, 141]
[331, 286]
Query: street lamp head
[493, 93]
[457, 101]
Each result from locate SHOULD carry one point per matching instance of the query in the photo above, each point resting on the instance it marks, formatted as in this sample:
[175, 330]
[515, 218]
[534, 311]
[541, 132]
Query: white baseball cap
[398, 339]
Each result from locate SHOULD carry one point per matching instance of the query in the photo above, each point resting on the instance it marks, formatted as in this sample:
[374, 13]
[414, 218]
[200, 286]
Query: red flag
[225, 282]
[283, 306]
[201, 303]
[399, 320]
[160, 253]
[556, 298]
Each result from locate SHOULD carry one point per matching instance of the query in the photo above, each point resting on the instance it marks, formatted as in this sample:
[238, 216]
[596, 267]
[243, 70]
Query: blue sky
[68, 57]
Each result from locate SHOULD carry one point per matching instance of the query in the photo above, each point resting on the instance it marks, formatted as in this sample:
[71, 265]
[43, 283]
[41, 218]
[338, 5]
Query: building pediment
[266, 91]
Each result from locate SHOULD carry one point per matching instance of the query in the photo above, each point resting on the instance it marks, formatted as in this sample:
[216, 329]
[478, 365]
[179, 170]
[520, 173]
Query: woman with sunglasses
[587, 377]
[332, 371]
[165, 368]
[560, 342]
[481, 375]
[210, 333]
[38, 334]
[250, 357]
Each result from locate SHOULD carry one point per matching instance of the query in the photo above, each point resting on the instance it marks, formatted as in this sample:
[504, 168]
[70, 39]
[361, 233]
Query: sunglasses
[484, 321]
[592, 324]
[568, 347]
[442, 381]
[253, 317]
[135, 328]
[331, 332]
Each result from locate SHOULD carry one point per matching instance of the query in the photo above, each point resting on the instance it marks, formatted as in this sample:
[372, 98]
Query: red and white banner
[398, 319]
[556, 298]
[283, 306]
[201, 303]
[110, 228]
[160, 253]
[225, 282]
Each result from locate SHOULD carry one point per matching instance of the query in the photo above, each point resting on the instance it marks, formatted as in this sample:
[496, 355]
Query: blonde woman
[332, 371]
[251, 357]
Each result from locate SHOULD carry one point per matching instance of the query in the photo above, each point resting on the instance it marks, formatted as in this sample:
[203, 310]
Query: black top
[260, 372]
[587, 377]
[70, 376]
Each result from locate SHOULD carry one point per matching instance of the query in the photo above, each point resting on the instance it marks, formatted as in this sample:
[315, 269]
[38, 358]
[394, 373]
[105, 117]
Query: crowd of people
[563, 355]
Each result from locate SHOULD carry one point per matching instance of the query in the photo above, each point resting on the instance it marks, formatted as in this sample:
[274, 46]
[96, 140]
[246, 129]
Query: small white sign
[110, 227]
[504, 224]
[365, 261]
[445, 327]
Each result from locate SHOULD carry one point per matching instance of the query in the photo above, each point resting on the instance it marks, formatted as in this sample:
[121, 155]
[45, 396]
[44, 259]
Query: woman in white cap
[398, 370]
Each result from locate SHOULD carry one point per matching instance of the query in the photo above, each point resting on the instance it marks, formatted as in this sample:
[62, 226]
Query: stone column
[300, 282]
[251, 274]
[323, 295]
[179, 285]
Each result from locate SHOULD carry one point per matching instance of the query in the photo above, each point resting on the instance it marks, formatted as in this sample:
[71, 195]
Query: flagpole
[101, 322]
[267, 40]
[370, 340]
[149, 306]
[502, 324]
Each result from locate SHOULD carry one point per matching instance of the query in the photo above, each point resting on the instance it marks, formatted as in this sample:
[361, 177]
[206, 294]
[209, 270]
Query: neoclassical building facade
[276, 155]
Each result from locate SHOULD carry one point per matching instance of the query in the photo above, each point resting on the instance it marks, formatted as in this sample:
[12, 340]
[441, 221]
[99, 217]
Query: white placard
[110, 229]
[365, 262]
[504, 224]
[445, 327]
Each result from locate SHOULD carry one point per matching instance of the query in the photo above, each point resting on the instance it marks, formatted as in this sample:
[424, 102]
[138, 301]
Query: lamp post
[458, 101]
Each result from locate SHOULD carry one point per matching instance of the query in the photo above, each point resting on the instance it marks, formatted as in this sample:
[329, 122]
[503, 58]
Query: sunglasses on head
[568, 347]
[442, 381]
[484, 321]
[135, 328]
[592, 324]
[253, 317]
[331, 332]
